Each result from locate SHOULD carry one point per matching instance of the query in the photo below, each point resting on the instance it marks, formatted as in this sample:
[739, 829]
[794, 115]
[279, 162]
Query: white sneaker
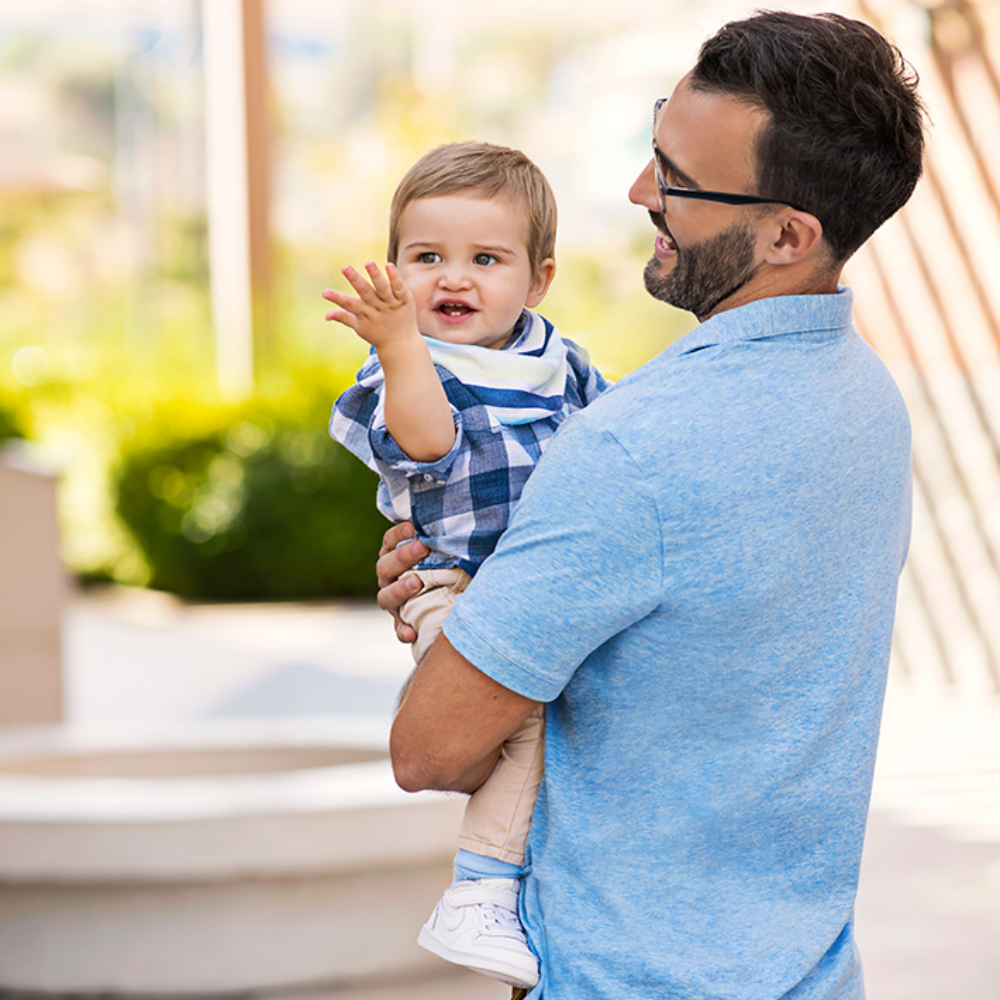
[475, 924]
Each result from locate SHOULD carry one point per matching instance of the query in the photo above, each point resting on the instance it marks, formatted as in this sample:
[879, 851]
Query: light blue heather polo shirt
[700, 579]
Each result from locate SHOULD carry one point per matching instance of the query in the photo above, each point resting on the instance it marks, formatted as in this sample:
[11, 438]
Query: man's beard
[706, 273]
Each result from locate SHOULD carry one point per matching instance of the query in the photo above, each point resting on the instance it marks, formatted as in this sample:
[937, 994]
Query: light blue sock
[470, 866]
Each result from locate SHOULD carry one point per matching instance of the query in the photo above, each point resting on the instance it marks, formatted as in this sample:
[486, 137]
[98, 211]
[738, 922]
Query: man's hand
[382, 313]
[392, 563]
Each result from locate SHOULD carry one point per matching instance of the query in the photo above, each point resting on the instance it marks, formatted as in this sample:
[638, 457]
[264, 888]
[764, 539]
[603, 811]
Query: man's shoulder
[657, 384]
[635, 417]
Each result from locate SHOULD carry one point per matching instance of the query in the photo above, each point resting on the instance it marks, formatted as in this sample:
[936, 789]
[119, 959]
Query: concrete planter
[230, 857]
[34, 590]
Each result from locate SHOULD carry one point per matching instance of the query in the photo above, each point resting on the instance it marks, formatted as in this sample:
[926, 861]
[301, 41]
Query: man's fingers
[397, 534]
[392, 597]
[404, 632]
[394, 560]
[391, 566]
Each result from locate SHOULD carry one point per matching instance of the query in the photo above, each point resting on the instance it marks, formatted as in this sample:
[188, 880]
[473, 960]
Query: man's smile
[664, 247]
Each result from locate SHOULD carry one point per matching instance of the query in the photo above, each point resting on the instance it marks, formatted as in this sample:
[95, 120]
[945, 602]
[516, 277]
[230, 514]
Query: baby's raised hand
[382, 312]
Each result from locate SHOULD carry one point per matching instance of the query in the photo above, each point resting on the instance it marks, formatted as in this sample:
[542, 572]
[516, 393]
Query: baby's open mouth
[454, 308]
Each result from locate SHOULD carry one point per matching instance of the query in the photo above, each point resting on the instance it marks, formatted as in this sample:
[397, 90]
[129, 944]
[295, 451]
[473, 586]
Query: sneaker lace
[501, 919]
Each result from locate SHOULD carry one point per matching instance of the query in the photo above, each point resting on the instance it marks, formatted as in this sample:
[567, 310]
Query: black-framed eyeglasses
[666, 190]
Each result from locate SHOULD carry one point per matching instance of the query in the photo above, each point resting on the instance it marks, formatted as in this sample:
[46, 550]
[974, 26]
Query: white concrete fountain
[192, 858]
[199, 860]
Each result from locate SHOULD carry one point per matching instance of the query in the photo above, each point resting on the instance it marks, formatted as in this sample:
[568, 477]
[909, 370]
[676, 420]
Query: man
[700, 579]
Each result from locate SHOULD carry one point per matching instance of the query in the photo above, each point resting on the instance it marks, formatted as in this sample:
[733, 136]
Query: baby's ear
[540, 285]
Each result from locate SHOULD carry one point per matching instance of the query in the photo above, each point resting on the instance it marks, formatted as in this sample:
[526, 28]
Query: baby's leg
[498, 814]
[426, 611]
[475, 923]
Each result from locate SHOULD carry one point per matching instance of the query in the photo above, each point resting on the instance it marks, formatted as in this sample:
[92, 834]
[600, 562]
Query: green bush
[11, 424]
[261, 506]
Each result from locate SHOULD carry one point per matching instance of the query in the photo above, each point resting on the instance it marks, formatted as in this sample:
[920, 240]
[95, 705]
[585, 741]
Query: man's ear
[799, 236]
[546, 272]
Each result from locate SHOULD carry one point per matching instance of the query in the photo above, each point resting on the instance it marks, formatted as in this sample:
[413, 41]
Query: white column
[34, 590]
[227, 190]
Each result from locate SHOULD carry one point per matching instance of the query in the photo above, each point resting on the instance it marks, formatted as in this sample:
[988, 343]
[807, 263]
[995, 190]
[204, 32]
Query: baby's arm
[417, 412]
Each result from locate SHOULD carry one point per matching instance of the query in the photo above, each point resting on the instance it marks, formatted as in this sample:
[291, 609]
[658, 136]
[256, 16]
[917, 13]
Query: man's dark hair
[844, 140]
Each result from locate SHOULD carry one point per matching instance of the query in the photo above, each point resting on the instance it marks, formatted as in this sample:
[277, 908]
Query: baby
[465, 387]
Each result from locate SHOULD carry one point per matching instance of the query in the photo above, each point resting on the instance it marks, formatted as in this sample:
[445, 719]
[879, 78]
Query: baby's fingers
[365, 291]
[383, 288]
[399, 290]
[342, 300]
[342, 316]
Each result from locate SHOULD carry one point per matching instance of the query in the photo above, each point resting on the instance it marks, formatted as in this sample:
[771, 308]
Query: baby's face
[465, 261]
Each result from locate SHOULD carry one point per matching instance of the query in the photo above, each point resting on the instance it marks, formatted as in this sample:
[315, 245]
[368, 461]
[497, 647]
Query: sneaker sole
[505, 973]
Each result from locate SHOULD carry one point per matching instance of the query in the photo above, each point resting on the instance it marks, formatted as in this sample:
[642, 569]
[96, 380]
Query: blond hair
[491, 172]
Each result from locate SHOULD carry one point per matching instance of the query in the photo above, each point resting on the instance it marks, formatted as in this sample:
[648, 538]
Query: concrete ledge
[213, 882]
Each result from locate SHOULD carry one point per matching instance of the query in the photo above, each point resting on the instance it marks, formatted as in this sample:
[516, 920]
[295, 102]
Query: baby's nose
[454, 276]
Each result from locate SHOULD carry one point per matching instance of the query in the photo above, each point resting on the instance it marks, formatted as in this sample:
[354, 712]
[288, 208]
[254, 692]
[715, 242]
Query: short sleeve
[580, 562]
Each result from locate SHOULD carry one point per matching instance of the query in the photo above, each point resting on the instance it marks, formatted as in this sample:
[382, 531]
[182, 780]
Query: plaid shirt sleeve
[358, 423]
[584, 383]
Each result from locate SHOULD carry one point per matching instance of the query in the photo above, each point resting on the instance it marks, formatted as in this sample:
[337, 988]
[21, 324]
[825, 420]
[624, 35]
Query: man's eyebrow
[672, 170]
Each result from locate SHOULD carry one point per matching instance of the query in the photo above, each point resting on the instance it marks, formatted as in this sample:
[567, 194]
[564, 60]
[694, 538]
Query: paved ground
[928, 912]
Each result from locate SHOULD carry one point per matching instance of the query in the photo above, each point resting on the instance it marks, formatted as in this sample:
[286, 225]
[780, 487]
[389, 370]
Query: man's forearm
[451, 723]
[417, 772]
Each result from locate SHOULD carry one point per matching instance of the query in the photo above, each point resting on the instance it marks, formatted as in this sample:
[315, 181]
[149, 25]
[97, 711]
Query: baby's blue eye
[484, 259]
[428, 257]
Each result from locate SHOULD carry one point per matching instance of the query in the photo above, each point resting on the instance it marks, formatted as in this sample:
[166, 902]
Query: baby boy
[465, 387]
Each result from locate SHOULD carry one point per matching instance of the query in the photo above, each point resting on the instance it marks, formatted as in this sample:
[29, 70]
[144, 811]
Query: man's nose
[643, 192]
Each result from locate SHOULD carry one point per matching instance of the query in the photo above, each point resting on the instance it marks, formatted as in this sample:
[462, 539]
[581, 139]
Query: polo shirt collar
[772, 317]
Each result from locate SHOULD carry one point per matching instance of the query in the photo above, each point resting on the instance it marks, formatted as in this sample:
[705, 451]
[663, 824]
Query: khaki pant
[497, 815]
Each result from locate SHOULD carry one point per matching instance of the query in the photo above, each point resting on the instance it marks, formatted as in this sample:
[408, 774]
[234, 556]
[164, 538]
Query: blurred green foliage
[249, 503]
[164, 484]
[11, 422]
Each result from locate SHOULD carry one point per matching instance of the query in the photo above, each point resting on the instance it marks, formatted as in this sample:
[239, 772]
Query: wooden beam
[238, 184]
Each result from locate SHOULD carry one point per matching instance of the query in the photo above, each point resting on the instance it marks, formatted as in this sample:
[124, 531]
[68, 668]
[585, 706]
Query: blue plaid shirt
[506, 411]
